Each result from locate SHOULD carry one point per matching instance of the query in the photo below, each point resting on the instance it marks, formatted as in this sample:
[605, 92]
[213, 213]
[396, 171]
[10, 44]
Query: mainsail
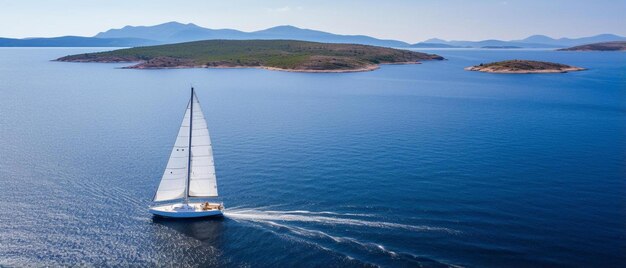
[202, 181]
[180, 181]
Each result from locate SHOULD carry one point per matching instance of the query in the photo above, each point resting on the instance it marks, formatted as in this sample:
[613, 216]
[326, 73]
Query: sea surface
[406, 166]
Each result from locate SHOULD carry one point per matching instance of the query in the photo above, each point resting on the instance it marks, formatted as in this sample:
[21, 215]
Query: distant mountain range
[603, 46]
[75, 41]
[535, 41]
[175, 32]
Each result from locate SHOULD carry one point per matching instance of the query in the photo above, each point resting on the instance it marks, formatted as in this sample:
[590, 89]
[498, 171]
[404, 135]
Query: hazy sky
[409, 21]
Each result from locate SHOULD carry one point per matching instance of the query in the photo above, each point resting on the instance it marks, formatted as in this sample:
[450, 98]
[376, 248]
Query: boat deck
[194, 209]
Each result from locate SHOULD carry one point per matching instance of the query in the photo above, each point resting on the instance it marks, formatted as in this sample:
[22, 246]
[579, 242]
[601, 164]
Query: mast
[189, 149]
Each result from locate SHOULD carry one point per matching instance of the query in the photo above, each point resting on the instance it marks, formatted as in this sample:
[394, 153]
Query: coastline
[367, 68]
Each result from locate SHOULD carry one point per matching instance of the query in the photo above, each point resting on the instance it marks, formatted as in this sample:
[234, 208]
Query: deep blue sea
[406, 166]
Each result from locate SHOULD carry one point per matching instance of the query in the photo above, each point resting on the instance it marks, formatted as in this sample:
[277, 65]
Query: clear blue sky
[405, 20]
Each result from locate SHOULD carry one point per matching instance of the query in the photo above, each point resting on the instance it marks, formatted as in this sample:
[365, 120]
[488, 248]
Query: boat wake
[308, 227]
[322, 217]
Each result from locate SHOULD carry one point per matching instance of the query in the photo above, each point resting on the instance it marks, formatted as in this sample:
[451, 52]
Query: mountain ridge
[176, 32]
[533, 41]
[75, 41]
[601, 46]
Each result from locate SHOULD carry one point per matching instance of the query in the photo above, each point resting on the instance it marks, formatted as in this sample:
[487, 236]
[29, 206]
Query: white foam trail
[317, 234]
[281, 219]
[318, 213]
[273, 216]
[295, 238]
[241, 208]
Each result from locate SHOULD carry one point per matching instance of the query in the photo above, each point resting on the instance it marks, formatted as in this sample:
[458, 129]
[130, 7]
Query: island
[603, 46]
[285, 55]
[523, 67]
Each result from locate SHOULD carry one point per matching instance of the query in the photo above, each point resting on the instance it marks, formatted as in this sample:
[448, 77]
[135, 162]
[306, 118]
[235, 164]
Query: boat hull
[191, 210]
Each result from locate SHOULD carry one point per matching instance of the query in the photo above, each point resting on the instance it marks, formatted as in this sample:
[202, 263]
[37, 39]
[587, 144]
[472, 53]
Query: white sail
[174, 178]
[202, 181]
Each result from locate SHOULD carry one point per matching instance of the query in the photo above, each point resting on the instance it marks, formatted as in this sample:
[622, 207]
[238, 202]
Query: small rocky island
[523, 67]
[285, 55]
[603, 46]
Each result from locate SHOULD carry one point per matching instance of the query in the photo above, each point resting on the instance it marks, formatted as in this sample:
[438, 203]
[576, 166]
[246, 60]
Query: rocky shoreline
[226, 66]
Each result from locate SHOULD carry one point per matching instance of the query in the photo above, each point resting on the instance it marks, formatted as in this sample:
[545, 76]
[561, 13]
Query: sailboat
[189, 178]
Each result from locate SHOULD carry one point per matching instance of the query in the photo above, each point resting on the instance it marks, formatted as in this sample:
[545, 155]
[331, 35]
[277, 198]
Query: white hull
[191, 210]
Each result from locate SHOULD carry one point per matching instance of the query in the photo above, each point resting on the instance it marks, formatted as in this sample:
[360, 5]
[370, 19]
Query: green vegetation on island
[286, 55]
[523, 67]
[603, 46]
